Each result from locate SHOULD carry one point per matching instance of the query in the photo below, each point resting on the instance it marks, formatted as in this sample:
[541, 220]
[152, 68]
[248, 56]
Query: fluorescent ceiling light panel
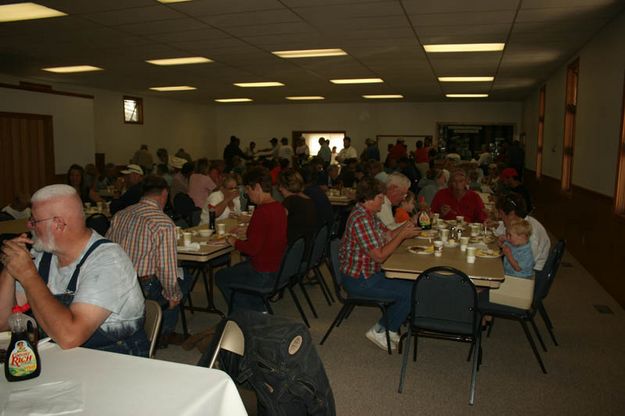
[309, 53]
[305, 97]
[357, 81]
[233, 100]
[180, 61]
[466, 95]
[71, 69]
[174, 88]
[26, 11]
[259, 84]
[382, 96]
[465, 47]
[172, 1]
[466, 79]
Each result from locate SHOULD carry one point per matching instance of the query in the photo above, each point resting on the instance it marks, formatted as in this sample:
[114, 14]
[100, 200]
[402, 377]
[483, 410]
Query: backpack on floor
[281, 364]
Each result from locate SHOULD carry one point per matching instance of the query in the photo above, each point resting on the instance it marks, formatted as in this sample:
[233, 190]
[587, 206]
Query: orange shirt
[401, 215]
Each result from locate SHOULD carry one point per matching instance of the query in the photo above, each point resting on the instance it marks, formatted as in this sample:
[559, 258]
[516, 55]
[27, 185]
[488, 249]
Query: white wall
[73, 122]
[599, 106]
[167, 123]
[262, 122]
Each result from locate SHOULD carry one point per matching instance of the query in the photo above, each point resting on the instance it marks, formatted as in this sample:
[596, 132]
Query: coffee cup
[221, 229]
[444, 234]
[464, 242]
[471, 254]
[186, 238]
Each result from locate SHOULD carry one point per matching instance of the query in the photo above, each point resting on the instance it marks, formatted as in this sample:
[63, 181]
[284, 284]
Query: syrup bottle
[423, 217]
[22, 358]
[212, 216]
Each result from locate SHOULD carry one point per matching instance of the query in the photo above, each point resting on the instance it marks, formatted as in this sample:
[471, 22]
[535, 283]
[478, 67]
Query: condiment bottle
[423, 217]
[212, 216]
[22, 359]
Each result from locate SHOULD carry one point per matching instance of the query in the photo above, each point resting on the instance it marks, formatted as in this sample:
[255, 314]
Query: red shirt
[422, 155]
[266, 237]
[470, 206]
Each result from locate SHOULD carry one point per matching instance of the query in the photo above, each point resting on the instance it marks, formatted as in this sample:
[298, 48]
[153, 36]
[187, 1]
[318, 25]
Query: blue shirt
[523, 255]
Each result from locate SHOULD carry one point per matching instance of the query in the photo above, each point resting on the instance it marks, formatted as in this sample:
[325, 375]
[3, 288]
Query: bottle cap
[23, 308]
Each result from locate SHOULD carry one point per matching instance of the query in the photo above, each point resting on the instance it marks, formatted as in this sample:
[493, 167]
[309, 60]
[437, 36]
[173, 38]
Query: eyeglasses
[32, 222]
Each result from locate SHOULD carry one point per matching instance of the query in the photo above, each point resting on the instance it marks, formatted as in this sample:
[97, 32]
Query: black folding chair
[444, 305]
[98, 222]
[185, 208]
[289, 269]
[316, 259]
[350, 302]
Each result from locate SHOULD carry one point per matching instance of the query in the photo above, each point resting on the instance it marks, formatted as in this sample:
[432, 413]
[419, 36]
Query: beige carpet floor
[586, 373]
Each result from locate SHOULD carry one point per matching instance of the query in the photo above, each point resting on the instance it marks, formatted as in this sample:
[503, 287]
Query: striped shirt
[149, 237]
[364, 232]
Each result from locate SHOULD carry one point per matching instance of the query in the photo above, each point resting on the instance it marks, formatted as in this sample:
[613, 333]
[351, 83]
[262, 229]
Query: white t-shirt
[285, 152]
[216, 198]
[347, 153]
[539, 241]
[386, 214]
[107, 279]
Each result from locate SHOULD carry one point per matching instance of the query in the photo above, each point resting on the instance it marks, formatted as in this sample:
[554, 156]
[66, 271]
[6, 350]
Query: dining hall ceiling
[382, 38]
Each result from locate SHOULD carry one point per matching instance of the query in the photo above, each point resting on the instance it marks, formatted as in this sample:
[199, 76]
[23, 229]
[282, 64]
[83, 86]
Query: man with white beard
[82, 288]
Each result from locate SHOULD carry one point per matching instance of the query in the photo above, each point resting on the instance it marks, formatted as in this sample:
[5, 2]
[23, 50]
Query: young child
[518, 260]
[406, 208]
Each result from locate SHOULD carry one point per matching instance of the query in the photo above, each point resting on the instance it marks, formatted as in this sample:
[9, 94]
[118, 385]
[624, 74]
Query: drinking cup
[464, 242]
[444, 234]
[250, 208]
[460, 219]
[471, 254]
[87, 205]
[221, 229]
[186, 238]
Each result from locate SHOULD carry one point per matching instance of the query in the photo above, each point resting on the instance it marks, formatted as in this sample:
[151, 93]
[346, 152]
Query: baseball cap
[132, 169]
[508, 173]
[176, 162]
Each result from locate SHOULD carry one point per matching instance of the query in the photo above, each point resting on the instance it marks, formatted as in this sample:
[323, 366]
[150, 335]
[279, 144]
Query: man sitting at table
[82, 288]
[457, 200]
[397, 186]
[149, 237]
[265, 244]
[133, 177]
[366, 244]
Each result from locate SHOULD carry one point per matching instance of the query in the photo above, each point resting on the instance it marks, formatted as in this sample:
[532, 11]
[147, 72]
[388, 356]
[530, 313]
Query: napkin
[47, 399]
[195, 246]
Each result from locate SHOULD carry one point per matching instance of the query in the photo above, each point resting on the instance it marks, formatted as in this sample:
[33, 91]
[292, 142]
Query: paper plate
[488, 254]
[421, 249]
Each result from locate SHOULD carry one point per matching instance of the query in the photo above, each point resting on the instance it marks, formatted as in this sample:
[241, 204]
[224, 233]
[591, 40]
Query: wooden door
[26, 154]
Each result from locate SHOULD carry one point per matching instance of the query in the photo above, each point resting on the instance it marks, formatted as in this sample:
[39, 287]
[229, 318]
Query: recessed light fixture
[71, 69]
[309, 53]
[172, 1]
[465, 79]
[174, 88]
[466, 95]
[357, 81]
[26, 11]
[382, 96]
[180, 61]
[233, 100]
[465, 47]
[305, 97]
[259, 84]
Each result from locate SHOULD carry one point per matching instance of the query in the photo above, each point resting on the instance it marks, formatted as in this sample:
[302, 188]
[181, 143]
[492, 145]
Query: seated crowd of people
[286, 186]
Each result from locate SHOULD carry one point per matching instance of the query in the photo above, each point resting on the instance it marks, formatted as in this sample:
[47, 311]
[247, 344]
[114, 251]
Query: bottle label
[22, 360]
[424, 219]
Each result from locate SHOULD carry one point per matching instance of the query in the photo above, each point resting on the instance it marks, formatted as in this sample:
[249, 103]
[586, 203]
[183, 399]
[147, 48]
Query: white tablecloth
[116, 384]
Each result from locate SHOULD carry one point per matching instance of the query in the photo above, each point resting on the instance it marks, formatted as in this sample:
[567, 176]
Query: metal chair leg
[310, 305]
[404, 361]
[547, 321]
[533, 345]
[540, 338]
[298, 306]
[335, 323]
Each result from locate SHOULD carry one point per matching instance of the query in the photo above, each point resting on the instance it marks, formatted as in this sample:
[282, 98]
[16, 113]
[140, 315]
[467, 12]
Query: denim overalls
[133, 344]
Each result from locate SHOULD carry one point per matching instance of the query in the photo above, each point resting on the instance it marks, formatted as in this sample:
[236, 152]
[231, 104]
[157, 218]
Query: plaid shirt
[364, 232]
[149, 237]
